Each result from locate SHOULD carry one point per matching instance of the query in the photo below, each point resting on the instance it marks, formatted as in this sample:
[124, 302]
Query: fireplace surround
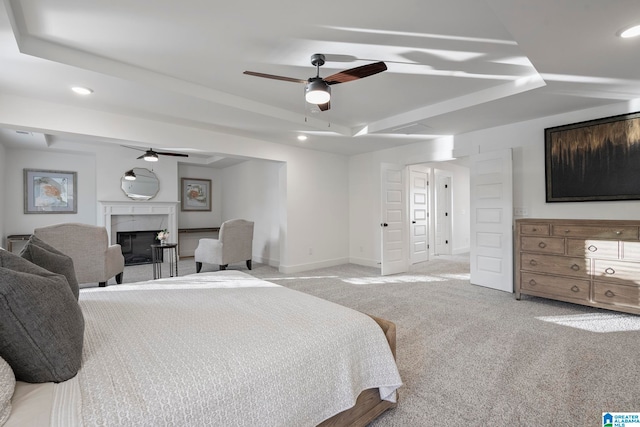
[121, 216]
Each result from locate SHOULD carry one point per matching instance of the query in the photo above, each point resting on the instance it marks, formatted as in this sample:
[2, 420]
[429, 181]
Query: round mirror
[140, 184]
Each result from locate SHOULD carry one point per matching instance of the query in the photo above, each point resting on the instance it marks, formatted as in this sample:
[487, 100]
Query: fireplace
[136, 246]
[117, 216]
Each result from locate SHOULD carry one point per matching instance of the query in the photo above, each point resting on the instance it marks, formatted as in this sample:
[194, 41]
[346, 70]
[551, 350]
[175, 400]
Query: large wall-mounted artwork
[196, 194]
[50, 192]
[597, 160]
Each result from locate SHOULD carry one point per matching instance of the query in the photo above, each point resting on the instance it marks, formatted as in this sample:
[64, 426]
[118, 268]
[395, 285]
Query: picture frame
[196, 194]
[595, 160]
[50, 192]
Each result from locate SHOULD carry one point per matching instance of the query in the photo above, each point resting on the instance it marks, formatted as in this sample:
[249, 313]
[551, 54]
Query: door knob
[384, 224]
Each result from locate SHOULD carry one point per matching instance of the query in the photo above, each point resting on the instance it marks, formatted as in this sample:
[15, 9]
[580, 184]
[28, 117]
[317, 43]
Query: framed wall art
[597, 160]
[50, 192]
[196, 194]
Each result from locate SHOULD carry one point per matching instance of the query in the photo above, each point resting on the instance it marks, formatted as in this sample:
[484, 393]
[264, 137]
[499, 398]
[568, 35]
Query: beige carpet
[471, 356]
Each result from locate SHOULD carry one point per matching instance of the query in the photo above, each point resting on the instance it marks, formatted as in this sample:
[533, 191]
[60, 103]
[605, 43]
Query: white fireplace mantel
[108, 209]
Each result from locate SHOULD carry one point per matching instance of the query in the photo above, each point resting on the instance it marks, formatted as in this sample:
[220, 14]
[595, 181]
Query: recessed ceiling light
[629, 32]
[302, 137]
[82, 90]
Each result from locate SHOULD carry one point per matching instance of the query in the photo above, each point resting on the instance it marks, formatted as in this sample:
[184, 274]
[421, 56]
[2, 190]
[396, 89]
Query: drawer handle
[532, 282]
[533, 262]
[575, 267]
[566, 231]
[575, 288]
[534, 229]
[592, 248]
[618, 232]
[610, 270]
[609, 294]
[542, 245]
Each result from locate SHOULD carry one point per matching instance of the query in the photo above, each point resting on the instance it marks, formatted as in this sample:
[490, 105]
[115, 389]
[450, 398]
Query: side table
[157, 257]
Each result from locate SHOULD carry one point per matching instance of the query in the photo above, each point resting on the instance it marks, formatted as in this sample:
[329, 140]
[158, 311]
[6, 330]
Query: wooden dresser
[588, 262]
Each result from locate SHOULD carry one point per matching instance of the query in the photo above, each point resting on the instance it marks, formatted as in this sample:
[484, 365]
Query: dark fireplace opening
[136, 246]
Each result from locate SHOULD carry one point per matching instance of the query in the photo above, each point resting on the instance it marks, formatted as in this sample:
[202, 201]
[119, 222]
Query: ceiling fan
[318, 90]
[151, 155]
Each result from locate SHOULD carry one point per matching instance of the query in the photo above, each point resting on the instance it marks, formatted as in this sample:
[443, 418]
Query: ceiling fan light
[629, 32]
[150, 156]
[317, 92]
[130, 175]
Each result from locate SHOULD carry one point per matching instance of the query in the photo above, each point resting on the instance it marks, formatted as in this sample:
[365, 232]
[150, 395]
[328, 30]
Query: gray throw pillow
[49, 258]
[41, 323]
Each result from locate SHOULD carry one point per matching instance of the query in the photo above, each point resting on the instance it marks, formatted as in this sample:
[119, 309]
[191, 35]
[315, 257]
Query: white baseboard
[365, 262]
[459, 251]
[288, 269]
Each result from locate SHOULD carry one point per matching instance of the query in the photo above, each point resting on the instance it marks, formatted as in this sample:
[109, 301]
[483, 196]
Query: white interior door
[393, 219]
[491, 220]
[443, 213]
[419, 214]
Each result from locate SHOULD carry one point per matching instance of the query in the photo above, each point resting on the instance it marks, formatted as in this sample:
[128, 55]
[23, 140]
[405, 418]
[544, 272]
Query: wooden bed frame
[368, 405]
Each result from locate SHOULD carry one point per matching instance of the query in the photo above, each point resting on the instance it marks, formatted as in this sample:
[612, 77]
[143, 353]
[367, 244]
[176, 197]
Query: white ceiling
[453, 65]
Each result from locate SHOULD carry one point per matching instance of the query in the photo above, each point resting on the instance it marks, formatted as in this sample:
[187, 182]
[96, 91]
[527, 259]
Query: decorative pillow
[7, 386]
[49, 258]
[42, 325]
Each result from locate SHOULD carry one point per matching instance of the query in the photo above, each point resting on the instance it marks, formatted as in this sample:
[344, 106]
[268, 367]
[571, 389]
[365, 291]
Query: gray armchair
[234, 244]
[94, 260]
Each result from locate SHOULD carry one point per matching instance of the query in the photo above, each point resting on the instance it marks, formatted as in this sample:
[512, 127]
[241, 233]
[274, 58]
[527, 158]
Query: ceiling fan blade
[141, 157]
[166, 153]
[356, 73]
[271, 76]
[133, 148]
[324, 107]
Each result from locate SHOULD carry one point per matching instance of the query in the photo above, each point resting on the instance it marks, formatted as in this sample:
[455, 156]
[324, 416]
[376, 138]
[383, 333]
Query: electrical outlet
[520, 212]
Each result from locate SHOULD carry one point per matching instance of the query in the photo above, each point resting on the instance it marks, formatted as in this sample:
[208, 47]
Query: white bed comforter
[221, 349]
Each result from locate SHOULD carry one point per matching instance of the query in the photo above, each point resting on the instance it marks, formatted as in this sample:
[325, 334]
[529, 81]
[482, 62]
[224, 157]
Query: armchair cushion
[42, 329]
[49, 258]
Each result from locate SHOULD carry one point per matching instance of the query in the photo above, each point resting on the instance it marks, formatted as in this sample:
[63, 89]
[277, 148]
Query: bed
[221, 348]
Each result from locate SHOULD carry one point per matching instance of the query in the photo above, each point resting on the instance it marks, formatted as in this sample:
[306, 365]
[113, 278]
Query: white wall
[4, 184]
[15, 220]
[251, 191]
[527, 142]
[314, 226]
[317, 201]
[196, 219]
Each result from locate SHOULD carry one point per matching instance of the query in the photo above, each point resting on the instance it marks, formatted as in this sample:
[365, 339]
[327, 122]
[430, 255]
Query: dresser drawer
[550, 245]
[630, 251]
[621, 272]
[609, 293]
[553, 286]
[553, 264]
[535, 229]
[625, 232]
[594, 248]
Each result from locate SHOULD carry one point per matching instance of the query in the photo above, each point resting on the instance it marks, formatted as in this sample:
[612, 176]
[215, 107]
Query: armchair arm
[114, 260]
[209, 251]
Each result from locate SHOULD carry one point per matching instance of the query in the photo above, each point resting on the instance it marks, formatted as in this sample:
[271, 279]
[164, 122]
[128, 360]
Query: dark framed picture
[597, 160]
[196, 194]
[50, 192]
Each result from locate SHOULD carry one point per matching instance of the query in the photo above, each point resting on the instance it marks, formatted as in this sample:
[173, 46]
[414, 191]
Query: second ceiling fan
[318, 89]
[151, 155]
